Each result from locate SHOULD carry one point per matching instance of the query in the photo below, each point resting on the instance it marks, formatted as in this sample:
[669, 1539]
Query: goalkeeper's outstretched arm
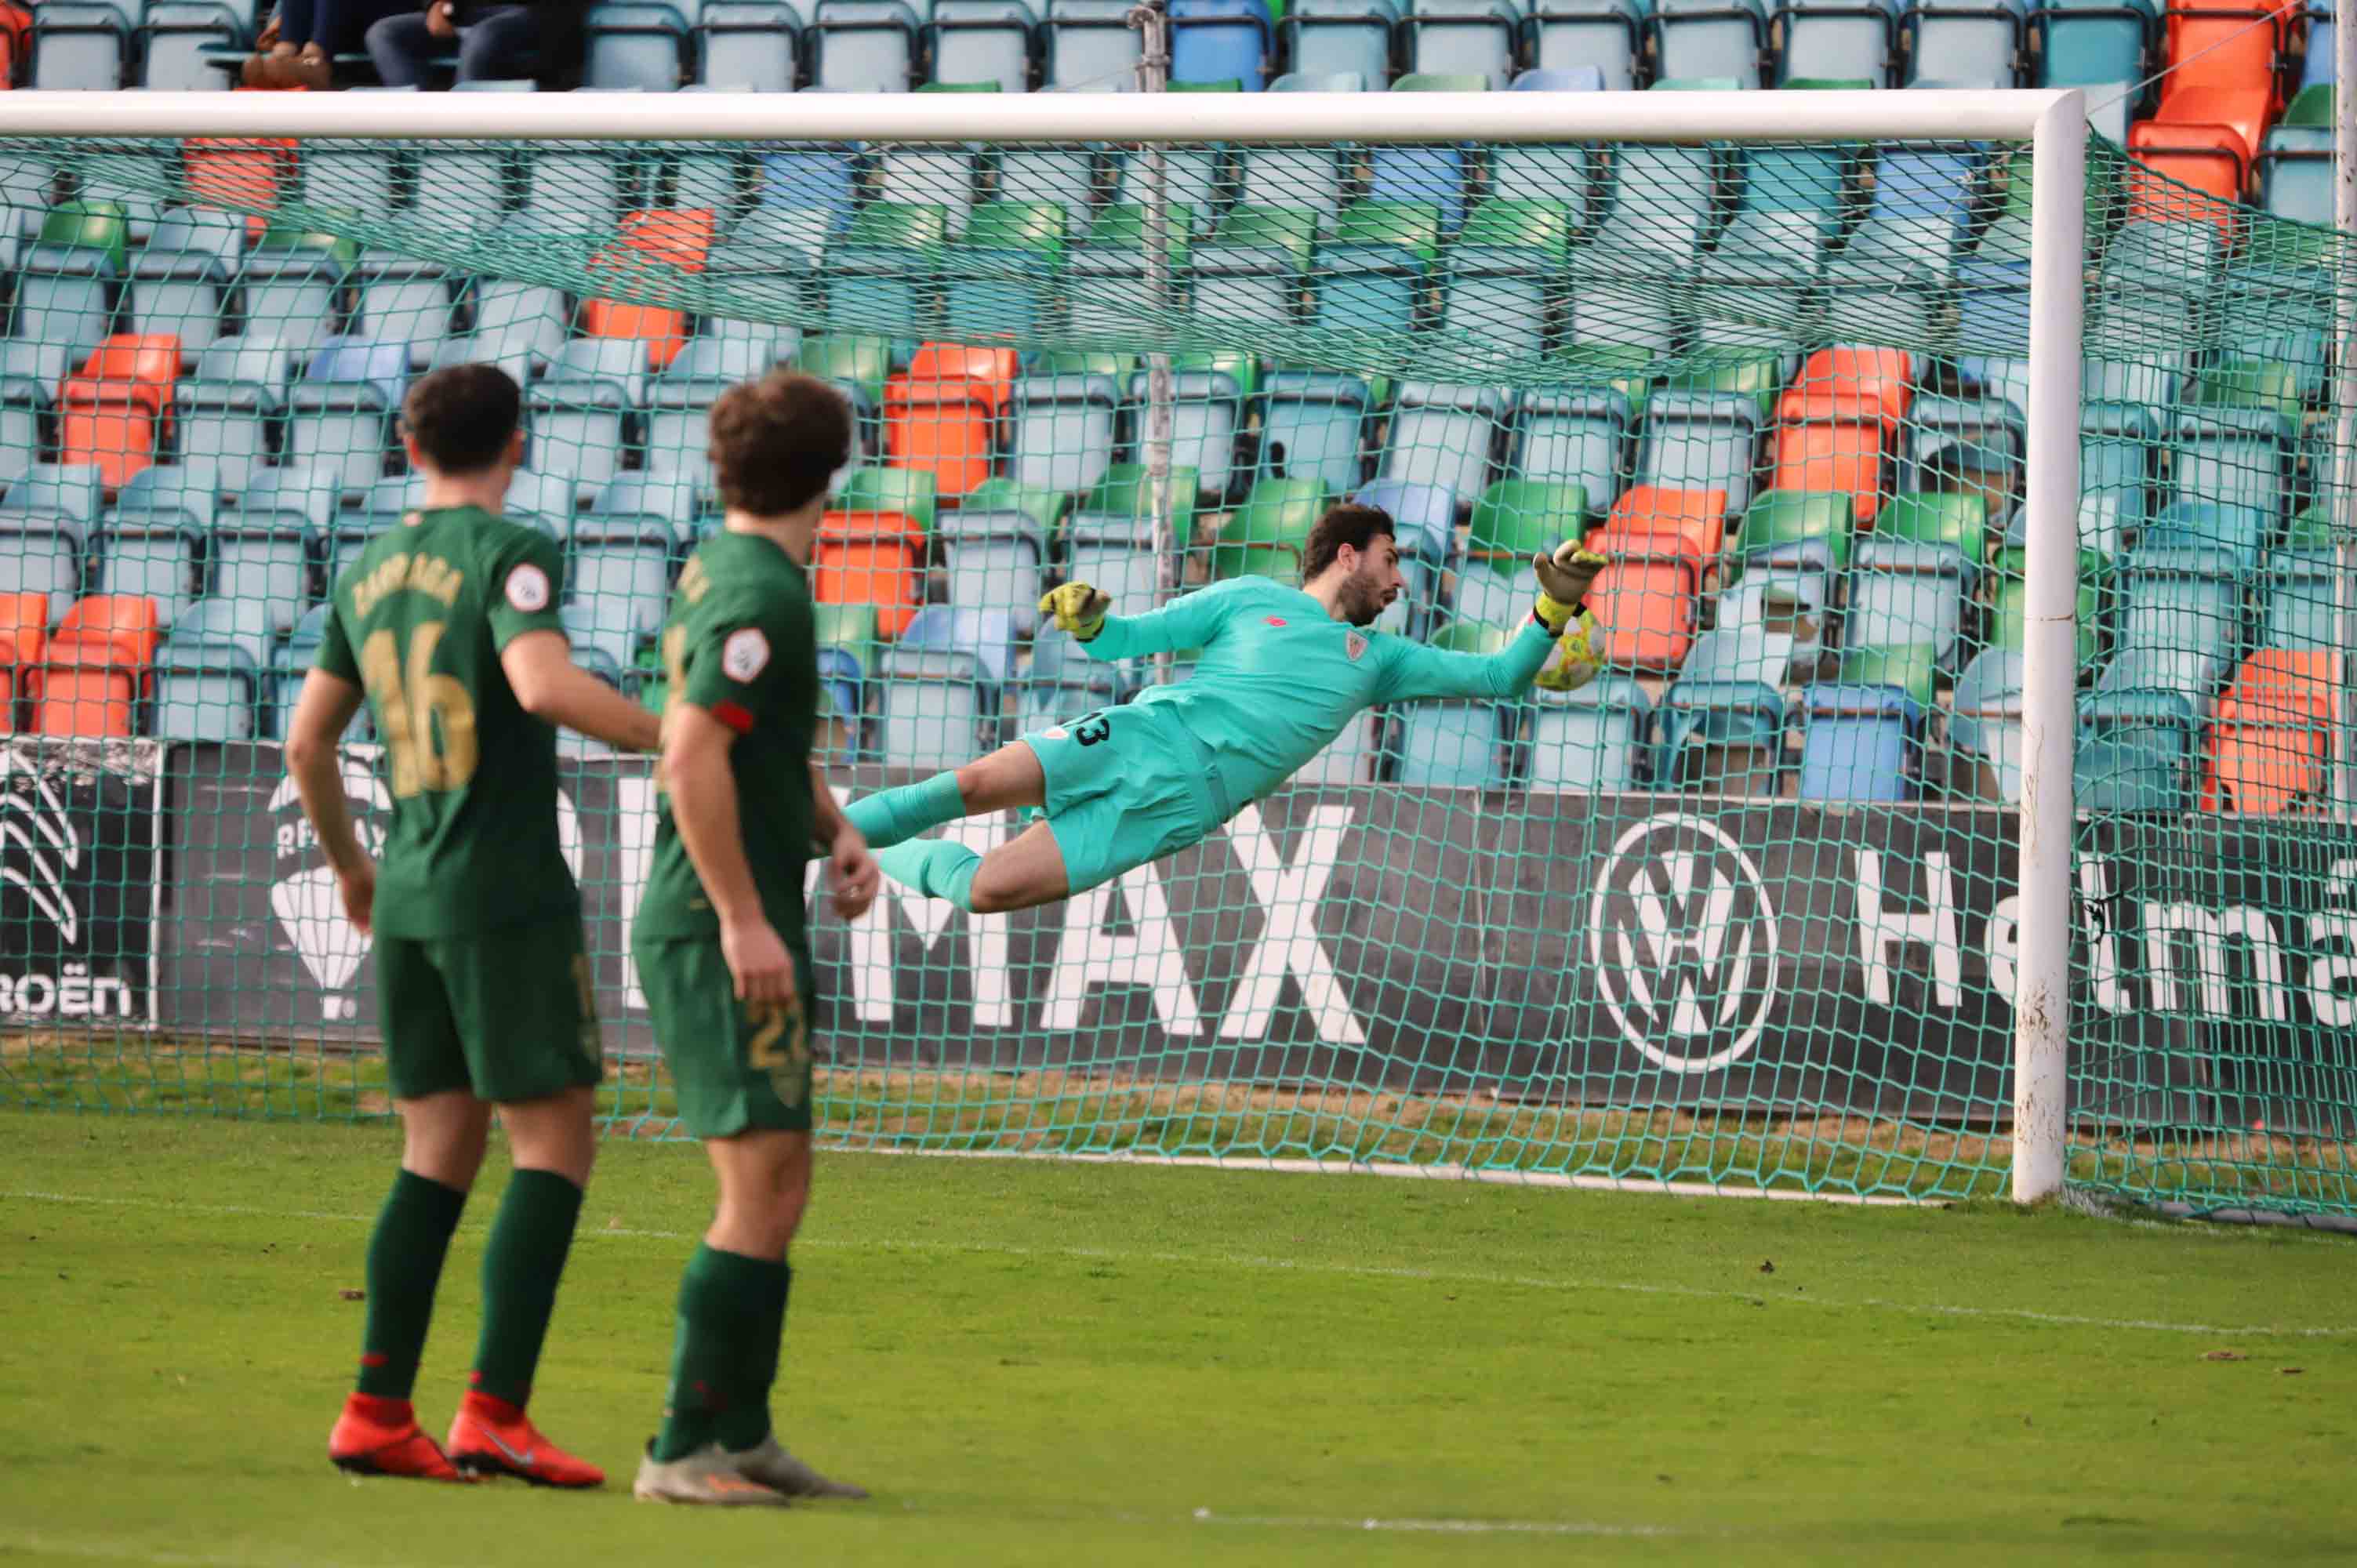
[1416, 670]
[1190, 620]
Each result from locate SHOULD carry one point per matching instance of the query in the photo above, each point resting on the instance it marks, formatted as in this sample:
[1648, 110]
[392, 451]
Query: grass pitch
[1050, 1362]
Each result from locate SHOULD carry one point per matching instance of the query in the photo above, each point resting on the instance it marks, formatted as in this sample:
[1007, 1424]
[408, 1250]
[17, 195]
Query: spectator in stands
[541, 40]
[299, 47]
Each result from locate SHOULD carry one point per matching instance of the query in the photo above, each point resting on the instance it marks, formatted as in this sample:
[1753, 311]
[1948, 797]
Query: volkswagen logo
[1681, 938]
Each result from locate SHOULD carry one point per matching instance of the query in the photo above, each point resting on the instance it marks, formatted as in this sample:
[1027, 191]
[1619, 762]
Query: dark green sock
[520, 1268]
[729, 1305]
[404, 1265]
[747, 1420]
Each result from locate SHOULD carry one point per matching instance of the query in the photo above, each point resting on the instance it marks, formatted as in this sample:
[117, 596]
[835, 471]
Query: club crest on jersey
[746, 653]
[1354, 644]
[528, 589]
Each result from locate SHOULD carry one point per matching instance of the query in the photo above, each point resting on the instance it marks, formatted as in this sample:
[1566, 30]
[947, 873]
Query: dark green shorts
[506, 1012]
[735, 1066]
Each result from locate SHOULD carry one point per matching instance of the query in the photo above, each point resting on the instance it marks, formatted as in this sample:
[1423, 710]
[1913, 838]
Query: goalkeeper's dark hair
[1349, 524]
[775, 442]
[463, 416]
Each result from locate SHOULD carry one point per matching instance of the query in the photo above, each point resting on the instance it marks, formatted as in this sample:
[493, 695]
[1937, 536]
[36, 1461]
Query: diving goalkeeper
[1282, 670]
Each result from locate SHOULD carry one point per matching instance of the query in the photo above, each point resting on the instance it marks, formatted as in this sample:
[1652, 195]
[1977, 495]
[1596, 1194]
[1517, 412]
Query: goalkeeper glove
[1077, 607]
[1563, 580]
[1577, 657]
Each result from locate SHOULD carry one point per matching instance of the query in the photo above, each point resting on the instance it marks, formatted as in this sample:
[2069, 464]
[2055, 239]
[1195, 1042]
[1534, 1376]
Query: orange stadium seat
[1647, 612]
[2228, 47]
[2203, 169]
[1874, 382]
[24, 635]
[653, 244]
[1832, 448]
[2272, 739]
[91, 675]
[239, 171]
[1663, 523]
[871, 558]
[940, 415]
[111, 412]
[15, 42]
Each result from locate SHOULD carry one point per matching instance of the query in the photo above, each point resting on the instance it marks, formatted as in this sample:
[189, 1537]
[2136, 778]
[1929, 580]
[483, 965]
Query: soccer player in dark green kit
[447, 627]
[720, 945]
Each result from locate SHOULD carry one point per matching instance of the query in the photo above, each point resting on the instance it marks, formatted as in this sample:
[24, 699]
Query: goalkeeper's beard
[1360, 602]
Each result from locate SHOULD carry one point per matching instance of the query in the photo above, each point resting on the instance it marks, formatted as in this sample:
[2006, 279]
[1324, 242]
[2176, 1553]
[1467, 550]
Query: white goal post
[2053, 122]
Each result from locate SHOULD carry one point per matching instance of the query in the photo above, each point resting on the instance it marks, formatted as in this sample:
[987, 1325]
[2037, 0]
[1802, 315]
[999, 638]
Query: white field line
[1355, 1271]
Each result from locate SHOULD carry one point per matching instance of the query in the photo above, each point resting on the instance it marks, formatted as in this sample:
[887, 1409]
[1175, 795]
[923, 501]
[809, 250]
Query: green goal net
[1741, 911]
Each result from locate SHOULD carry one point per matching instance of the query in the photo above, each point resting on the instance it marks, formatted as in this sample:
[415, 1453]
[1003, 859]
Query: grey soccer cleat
[709, 1476]
[770, 1465]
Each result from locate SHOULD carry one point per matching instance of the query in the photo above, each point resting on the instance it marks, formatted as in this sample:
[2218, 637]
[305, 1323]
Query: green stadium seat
[1441, 82]
[1108, 274]
[1265, 535]
[911, 492]
[859, 363]
[1961, 521]
[1910, 667]
[1796, 529]
[1045, 508]
[1127, 491]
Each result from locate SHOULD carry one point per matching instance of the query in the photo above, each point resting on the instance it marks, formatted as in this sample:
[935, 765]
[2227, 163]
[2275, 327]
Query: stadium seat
[338, 418]
[2203, 169]
[1250, 271]
[110, 410]
[636, 47]
[1858, 743]
[911, 492]
[2234, 457]
[209, 673]
[1793, 531]
[1708, 39]
[1909, 593]
[1338, 37]
[882, 273]
[40, 555]
[871, 558]
[1514, 520]
[1457, 745]
[154, 543]
[1062, 430]
[939, 687]
[1955, 41]
[94, 670]
[2271, 742]
[1109, 272]
[1090, 47]
[1965, 445]
[1206, 412]
[2090, 43]
[1573, 435]
[263, 548]
[976, 42]
[2136, 752]
[994, 560]
[1701, 442]
[1567, 39]
[295, 284]
[620, 567]
[1826, 445]
[863, 46]
[1115, 551]
[1443, 434]
[224, 409]
[1721, 724]
[79, 46]
[24, 635]
[1311, 427]
[174, 40]
[406, 301]
[181, 281]
[1462, 38]
[1265, 537]
[1504, 274]
[1985, 725]
[1843, 40]
[1220, 40]
[752, 44]
[1002, 275]
[941, 414]
[1647, 612]
[578, 426]
[1593, 740]
[1665, 522]
[1372, 276]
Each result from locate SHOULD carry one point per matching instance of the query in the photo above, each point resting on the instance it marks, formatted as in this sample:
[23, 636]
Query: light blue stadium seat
[67, 490]
[863, 46]
[454, 177]
[1326, 39]
[1567, 37]
[2117, 444]
[1064, 683]
[1308, 179]
[1719, 730]
[2181, 616]
[180, 292]
[1454, 745]
[938, 685]
[1311, 427]
[936, 177]
[1590, 739]
[293, 297]
[1366, 289]
[79, 46]
[2136, 751]
[208, 675]
[996, 560]
[63, 300]
[1220, 40]
[1665, 201]
[2235, 456]
[1501, 298]
[1207, 410]
[24, 408]
[173, 41]
[1703, 442]
[1062, 430]
[983, 41]
[1574, 435]
[520, 327]
[1443, 434]
[604, 627]
[748, 43]
[1463, 37]
[339, 415]
[621, 568]
[48, 519]
[820, 179]
[1889, 275]
[1902, 592]
[1962, 40]
[406, 301]
[668, 496]
[1065, 175]
[579, 426]
[2097, 43]
[1115, 552]
[153, 543]
[1319, 81]
[2303, 612]
[1709, 40]
[566, 185]
[1858, 743]
[223, 410]
[636, 45]
[1984, 722]
[1091, 46]
[1945, 435]
[261, 548]
[1837, 40]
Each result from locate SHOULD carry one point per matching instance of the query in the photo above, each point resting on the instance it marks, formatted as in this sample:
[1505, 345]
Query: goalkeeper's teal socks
[521, 1266]
[404, 1264]
[892, 816]
[939, 868]
[732, 1312]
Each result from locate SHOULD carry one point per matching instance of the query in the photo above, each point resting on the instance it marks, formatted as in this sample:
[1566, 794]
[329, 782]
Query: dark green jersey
[740, 645]
[418, 622]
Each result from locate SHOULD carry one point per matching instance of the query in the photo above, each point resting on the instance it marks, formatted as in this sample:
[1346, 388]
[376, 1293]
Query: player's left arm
[1416, 670]
[538, 660]
[331, 694]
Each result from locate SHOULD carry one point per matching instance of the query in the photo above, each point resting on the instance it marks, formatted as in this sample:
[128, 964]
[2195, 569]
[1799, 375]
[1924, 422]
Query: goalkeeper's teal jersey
[1279, 678]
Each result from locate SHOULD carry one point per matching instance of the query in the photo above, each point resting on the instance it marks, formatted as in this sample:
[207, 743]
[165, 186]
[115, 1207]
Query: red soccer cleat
[381, 1437]
[491, 1437]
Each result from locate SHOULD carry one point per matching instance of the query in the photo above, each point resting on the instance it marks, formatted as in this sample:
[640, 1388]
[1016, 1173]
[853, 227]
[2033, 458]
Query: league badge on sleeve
[745, 655]
[527, 588]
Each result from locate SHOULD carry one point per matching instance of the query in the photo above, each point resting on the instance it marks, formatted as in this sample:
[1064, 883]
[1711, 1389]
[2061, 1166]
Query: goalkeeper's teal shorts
[1126, 786]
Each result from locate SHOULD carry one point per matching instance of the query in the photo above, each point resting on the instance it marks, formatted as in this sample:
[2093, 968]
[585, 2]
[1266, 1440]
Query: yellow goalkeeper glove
[1077, 607]
[1577, 657]
[1563, 581]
